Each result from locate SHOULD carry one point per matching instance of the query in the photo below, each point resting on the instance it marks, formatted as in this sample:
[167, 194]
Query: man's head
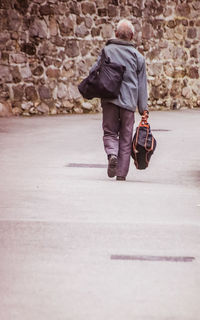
[125, 30]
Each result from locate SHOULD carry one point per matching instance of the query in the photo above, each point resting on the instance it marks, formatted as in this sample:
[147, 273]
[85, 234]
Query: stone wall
[47, 47]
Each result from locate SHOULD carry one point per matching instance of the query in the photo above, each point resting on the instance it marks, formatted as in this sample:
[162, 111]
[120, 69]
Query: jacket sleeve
[142, 89]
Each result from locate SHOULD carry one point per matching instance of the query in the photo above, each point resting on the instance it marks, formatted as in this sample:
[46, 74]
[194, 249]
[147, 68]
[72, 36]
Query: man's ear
[116, 34]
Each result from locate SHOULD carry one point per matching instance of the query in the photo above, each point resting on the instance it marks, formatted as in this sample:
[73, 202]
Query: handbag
[143, 145]
[104, 81]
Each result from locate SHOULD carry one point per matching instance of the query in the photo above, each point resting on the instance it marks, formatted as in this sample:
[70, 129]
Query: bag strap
[144, 123]
[103, 58]
[104, 55]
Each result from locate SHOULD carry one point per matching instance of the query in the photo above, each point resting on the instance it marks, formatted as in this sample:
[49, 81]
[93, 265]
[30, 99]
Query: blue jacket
[133, 91]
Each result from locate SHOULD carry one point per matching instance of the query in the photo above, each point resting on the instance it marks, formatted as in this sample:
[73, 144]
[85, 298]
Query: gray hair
[125, 30]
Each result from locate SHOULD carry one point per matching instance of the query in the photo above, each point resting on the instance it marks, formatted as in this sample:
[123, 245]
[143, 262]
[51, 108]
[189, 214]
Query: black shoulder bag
[104, 81]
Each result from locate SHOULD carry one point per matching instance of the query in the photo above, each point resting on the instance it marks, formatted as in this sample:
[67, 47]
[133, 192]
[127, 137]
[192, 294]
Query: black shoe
[112, 165]
[121, 178]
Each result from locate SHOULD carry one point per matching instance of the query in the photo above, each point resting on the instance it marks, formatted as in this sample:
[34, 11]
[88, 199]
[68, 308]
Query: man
[118, 114]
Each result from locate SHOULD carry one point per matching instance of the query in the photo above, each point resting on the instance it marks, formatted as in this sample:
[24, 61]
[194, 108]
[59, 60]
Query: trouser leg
[111, 116]
[127, 119]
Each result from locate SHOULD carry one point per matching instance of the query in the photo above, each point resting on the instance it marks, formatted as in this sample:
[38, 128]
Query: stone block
[62, 91]
[53, 27]
[66, 26]
[18, 58]
[16, 74]
[147, 31]
[196, 5]
[107, 31]
[88, 7]
[22, 6]
[179, 72]
[198, 23]
[88, 22]
[114, 2]
[53, 73]
[47, 61]
[194, 53]
[183, 10]
[81, 30]
[74, 7]
[100, 21]
[87, 106]
[155, 69]
[186, 92]
[46, 10]
[58, 41]
[67, 75]
[100, 3]
[38, 71]
[74, 93]
[38, 29]
[5, 74]
[5, 92]
[28, 48]
[44, 92]
[78, 110]
[195, 86]
[26, 72]
[46, 49]
[125, 11]
[179, 33]
[152, 8]
[72, 48]
[95, 32]
[18, 92]
[192, 33]
[4, 4]
[33, 110]
[26, 105]
[53, 111]
[5, 109]
[102, 12]
[167, 11]
[184, 22]
[82, 68]
[137, 12]
[176, 89]
[43, 108]
[67, 105]
[79, 20]
[31, 93]
[4, 37]
[14, 20]
[155, 92]
[69, 64]
[172, 23]
[17, 111]
[193, 72]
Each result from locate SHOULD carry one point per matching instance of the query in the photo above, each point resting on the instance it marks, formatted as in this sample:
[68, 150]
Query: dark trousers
[118, 131]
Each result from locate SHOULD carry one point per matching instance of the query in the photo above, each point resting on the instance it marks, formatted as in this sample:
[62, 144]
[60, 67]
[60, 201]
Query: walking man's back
[118, 113]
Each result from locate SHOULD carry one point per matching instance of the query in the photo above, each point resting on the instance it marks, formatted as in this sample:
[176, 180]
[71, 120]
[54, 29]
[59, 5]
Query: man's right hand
[145, 116]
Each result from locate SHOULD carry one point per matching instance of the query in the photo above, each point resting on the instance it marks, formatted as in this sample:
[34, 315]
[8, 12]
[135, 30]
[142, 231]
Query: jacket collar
[119, 42]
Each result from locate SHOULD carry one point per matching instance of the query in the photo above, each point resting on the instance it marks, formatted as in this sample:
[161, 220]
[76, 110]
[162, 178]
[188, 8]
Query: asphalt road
[76, 245]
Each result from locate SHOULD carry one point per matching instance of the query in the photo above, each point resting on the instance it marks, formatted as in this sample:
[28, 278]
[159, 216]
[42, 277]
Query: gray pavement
[60, 226]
